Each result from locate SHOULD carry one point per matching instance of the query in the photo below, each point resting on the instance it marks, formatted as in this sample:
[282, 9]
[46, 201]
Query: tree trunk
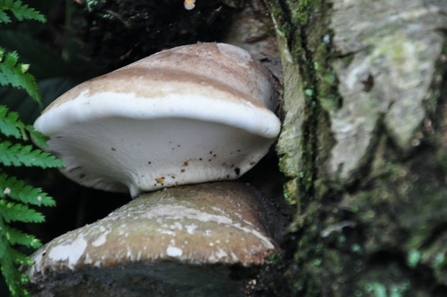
[364, 145]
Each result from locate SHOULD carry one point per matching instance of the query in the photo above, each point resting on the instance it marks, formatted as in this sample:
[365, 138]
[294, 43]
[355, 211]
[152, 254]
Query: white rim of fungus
[239, 114]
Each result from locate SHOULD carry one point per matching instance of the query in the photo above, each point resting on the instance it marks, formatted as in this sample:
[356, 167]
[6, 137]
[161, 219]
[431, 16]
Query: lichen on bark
[363, 143]
[388, 67]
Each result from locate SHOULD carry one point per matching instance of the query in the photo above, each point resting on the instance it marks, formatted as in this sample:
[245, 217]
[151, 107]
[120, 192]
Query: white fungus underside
[113, 145]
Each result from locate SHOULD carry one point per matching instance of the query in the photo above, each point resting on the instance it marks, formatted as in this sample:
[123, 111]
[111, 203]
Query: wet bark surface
[364, 146]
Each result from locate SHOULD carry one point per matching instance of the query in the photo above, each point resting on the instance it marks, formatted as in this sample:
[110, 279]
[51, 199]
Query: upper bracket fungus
[187, 115]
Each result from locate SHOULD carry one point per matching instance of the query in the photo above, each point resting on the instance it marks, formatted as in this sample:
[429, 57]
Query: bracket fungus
[180, 120]
[195, 240]
[190, 114]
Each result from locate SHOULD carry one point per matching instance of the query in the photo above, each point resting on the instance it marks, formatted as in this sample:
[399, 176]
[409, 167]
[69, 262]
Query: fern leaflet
[8, 259]
[18, 237]
[17, 190]
[19, 10]
[16, 154]
[39, 139]
[15, 74]
[10, 124]
[17, 212]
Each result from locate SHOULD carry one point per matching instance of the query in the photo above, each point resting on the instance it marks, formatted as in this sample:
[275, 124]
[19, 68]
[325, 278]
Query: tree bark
[364, 145]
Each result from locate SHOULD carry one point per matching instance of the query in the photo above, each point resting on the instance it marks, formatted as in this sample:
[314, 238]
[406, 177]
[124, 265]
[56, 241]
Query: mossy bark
[364, 145]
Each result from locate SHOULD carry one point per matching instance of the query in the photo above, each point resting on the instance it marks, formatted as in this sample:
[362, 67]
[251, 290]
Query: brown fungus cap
[191, 114]
[183, 241]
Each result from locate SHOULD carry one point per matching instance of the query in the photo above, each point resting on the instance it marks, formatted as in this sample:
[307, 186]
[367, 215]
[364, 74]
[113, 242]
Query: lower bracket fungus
[198, 240]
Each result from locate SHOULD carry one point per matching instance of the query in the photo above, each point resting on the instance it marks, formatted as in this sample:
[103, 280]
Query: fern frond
[15, 195]
[17, 212]
[19, 191]
[20, 258]
[4, 18]
[16, 154]
[15, 74]
[8, 259]
[10, 125]
[19, 10]
[15, 236]
[13, 278]
[38, 138]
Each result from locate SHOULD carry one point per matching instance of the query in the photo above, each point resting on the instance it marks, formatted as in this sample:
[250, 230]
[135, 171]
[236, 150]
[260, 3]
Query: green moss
[290, 190]
[336, 230]
[413, 258]
[304, 63]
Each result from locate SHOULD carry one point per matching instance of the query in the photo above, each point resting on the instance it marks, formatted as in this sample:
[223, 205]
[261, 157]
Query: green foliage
[19, 10]
[15, 74]
[17, 199]
[11, 72]
[16, 154]
[10, 124]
